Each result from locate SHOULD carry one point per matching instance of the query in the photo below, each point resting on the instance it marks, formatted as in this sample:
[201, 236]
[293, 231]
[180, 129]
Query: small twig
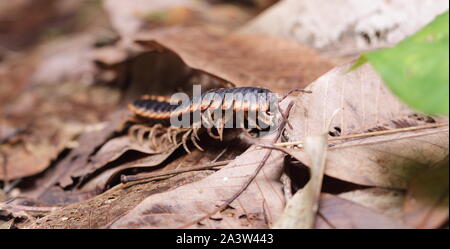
[250, 179]
[220, 154]
[368, 134]
[284, 97]
[292, 91]
[130, 178]
[11, 185]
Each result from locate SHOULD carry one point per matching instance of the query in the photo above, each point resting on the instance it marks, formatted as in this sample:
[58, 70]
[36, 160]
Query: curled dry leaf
[241, 59]
[77, 158]
[116, 147]
[301, 209]
[426, 202]
[101, 159]
[335, 212]
[259, 205]
[33, 149]
[387, 160]
[47, 125]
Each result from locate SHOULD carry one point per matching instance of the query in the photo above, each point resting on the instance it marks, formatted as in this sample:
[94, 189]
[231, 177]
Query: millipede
[152, 115]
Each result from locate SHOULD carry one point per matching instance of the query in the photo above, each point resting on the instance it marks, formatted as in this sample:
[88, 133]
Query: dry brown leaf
[362, 97]
[130, 17]
[256, 207]
[59, 64]
[335, 212]
[345, 27]
[100, 181]
[385, 201]
[366, 104]
[115, 148]
[96, 212]
[49, 126]
[245, 60]
[24, 22]
[77, 158]
[426, 202]
[127, 17]
[384, 161]
[32, 152]
[300, 211]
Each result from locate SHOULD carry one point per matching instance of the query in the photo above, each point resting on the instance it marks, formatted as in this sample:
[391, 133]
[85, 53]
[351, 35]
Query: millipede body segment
[211, 106]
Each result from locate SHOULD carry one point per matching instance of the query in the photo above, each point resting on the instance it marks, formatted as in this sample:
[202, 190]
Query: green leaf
[416, 69]
[361, 61]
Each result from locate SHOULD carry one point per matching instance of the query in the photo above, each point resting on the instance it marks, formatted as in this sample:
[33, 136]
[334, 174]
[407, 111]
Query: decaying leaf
[259, 205]
[335, 212]
[364, 101]
[241, 59]
[115, 148]
[47, 126]
[61, 159]
[99, 211]
[387, 160]
[100, 181]
[426, 202]
[78, 157]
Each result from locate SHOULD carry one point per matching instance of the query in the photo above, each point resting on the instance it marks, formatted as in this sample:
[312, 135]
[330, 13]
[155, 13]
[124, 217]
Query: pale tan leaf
[363, 98]
[385, 201]
[301, 209]
[346, 26]
[365, 103]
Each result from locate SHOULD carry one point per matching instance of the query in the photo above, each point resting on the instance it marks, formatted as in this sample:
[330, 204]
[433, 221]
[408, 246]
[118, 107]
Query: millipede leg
[175, 133]
[195, 133]
[211, 134]
[170, 135]
[247, 132]
[219, 128]
[193, 139]
[155, 130]
[132, 130]
[184, 140]
[253, 123]
[208, 115]
[266, 118]
[141, 134]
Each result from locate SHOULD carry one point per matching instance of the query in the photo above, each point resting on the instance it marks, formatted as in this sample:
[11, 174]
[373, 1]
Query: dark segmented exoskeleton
[152, 114]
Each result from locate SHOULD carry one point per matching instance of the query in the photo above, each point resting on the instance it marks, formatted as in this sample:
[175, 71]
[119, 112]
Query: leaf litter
[80, 181]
